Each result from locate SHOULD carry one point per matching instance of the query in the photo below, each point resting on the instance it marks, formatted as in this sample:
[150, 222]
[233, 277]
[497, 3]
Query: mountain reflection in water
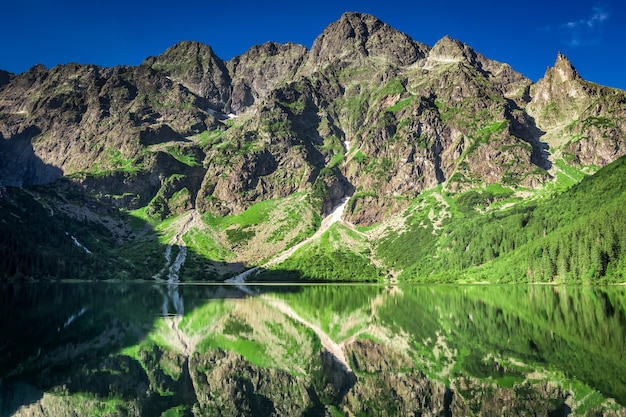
[187, 349]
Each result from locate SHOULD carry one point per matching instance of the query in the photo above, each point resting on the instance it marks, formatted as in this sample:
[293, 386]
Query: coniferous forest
[576, 236]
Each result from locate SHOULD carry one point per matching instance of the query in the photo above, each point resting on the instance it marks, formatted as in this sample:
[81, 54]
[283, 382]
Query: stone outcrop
[263, 68]
[195, 66]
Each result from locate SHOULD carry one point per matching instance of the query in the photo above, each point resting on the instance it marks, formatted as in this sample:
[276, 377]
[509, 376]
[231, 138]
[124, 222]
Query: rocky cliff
[583, 122]
[367, 109]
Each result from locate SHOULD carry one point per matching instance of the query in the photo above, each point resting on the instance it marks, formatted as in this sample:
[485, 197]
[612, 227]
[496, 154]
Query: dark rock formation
[260, 70]
[195, 66]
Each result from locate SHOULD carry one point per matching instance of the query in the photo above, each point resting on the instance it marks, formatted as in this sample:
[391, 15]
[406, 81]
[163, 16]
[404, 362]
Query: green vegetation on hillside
[37, 240]
[489, 234]
[340, 254]
[576, 236]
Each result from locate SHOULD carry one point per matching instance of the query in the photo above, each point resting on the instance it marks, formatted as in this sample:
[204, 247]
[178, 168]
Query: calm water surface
[573, 334]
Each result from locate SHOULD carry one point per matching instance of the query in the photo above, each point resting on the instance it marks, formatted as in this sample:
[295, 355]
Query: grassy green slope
[576, 236]
[340, 254]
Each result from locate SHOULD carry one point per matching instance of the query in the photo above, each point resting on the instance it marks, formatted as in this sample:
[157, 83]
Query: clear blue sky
[527, 35]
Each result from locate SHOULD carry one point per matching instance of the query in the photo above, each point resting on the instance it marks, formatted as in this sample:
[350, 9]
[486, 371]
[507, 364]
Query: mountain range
[223, 165]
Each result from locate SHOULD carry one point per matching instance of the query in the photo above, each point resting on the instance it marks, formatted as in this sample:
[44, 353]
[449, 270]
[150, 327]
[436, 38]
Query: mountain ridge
[367, 113]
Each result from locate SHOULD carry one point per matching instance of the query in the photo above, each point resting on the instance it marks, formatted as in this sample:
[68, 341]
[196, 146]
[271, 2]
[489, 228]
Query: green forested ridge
[36, 244]
[576, 236]
[37, 238]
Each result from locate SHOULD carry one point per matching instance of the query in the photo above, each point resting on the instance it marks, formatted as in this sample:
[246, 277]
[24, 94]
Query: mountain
[233, 162]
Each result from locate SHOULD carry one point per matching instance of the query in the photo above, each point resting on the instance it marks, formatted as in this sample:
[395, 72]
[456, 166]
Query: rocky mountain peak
[418, 116]
[357, 36]
[449, 53]
[564, 69]
[189, 54]
[197, 67]
[563, 72]
[585, 119]
[560, 82]
[263, 67]
[448, 49]
[358, 25]
[267, 49]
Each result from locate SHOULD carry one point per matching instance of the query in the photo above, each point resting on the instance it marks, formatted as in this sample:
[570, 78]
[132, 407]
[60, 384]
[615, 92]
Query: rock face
[224, 382]
[196, 67]
[586, 120]
[366, 110]
[357, 38]
[260, 70]
[395, 387]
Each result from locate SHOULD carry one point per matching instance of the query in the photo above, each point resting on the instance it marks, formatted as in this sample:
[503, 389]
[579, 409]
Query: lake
[108, 349]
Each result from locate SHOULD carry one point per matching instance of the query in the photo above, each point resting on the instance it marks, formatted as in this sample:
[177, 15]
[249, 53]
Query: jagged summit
[196, 66]
[450, 54]
[564, 68]
[260, 69]
[450, 50]
[268, 49]
[185, 55]
[356, 36]
[582, 120]
[560, 82]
